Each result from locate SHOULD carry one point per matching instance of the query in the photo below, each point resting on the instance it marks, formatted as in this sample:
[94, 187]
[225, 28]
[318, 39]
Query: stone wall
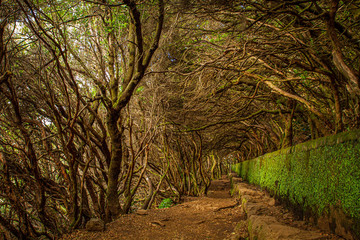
[319, 179]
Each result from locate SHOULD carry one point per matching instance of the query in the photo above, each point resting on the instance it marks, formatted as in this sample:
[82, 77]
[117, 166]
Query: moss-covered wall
[320, 178]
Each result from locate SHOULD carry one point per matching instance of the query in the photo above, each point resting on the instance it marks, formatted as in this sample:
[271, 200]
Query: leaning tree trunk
[137, 63]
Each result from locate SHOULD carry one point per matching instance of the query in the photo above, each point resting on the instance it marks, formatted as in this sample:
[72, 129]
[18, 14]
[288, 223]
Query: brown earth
[215, 216]
[212, 217]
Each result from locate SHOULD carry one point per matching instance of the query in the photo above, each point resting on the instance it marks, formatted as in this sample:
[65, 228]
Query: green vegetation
[105, 105]
[166, 203]
[316, 176]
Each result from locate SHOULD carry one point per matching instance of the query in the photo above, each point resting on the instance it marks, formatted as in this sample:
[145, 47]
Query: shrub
[166, 203]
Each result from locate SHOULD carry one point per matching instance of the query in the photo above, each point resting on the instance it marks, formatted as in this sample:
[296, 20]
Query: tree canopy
[110, 106]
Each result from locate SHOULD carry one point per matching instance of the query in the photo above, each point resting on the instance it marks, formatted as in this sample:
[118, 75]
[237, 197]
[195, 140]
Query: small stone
[272, 202]
[141, 212]
[157, 223]
[95, 224]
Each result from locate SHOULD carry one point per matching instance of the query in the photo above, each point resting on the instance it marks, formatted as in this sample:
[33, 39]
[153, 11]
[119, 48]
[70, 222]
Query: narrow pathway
[251, 214]
[212, 217]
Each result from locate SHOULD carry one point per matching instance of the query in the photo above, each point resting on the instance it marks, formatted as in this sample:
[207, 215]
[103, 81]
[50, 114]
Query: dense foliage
[108, 106]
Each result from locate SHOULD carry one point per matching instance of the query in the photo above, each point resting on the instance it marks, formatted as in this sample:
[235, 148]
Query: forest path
[215, 216]
[212, 217]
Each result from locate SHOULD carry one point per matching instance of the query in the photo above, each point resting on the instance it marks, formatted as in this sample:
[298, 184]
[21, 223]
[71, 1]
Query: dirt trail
[212, 217]
[216, 216]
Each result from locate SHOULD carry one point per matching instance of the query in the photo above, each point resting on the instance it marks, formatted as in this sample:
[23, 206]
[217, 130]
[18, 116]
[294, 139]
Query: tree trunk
[353, 85]
[113, 208]
[288, 138]
[150, 194]
[339, 127]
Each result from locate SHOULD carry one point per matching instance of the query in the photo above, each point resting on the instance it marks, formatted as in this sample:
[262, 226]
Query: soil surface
[212, 217]
[215, 216]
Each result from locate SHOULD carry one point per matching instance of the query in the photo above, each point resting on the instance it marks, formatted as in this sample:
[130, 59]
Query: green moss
[314, 175]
